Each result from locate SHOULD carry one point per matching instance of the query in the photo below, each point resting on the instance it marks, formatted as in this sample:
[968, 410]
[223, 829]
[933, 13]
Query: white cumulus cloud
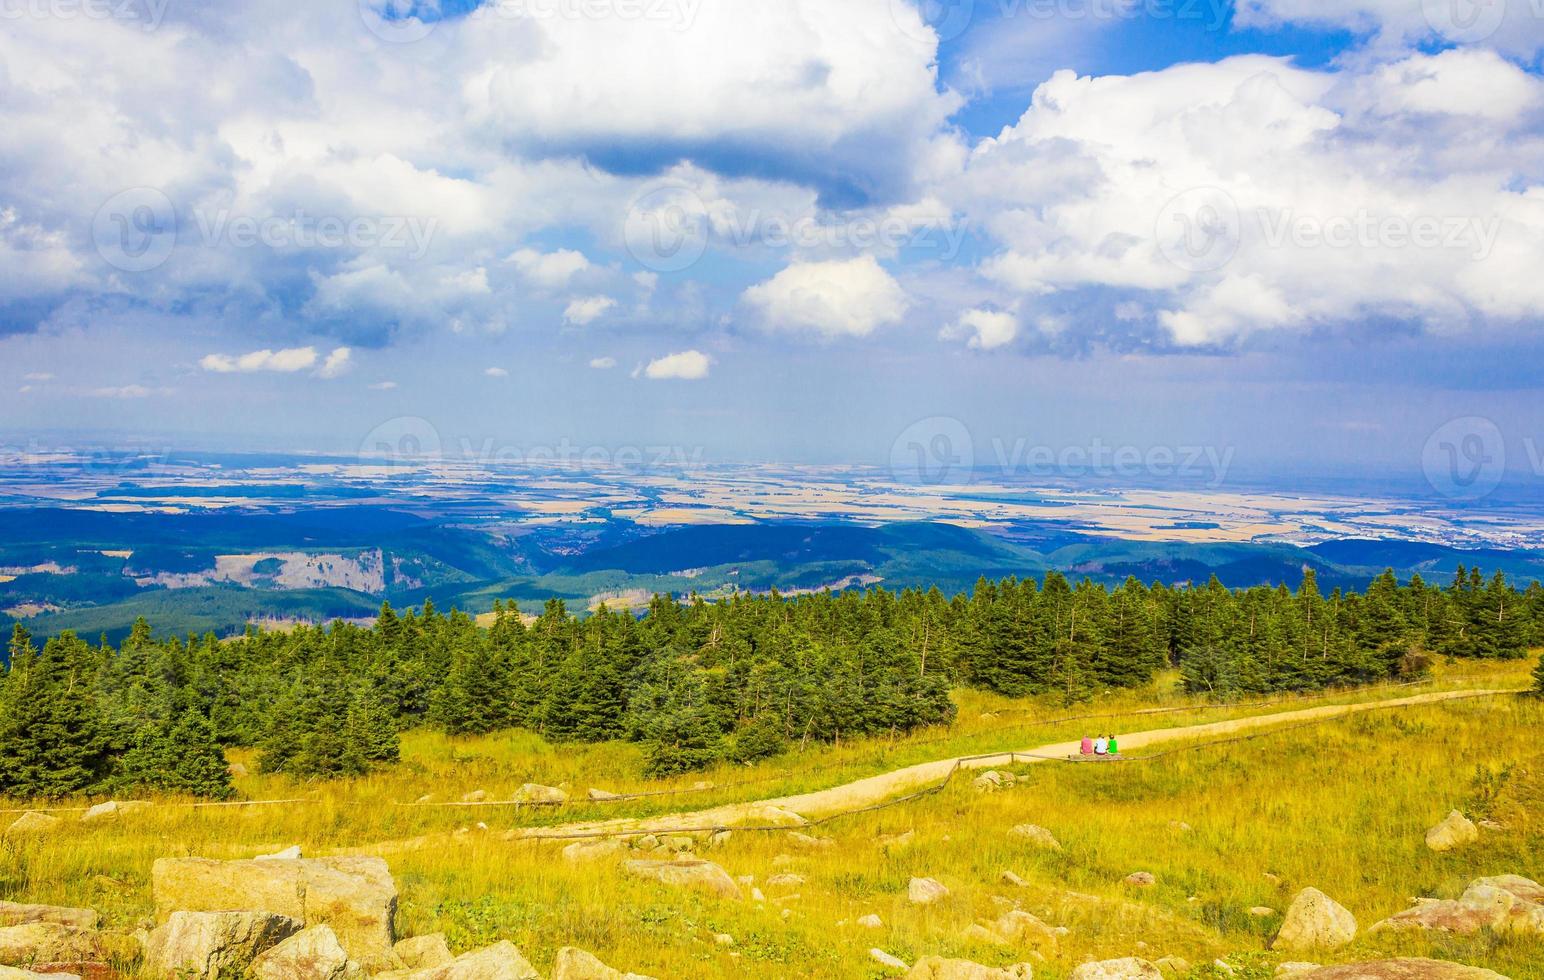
[283, 361]
[839, 298]
[586, 310]
[690, 365]
[983, 329]
[550, 270]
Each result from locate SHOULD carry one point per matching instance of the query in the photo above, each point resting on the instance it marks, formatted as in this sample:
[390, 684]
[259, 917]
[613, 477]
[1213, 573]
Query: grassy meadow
[1340, 805]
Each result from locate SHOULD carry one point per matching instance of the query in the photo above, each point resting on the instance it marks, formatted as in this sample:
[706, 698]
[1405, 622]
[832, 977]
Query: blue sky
[777, 229]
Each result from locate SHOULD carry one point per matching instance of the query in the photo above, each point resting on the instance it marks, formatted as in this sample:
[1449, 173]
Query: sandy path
[885, 786]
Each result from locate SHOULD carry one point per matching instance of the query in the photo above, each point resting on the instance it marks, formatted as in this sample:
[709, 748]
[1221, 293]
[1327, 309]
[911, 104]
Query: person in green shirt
[1114, 746]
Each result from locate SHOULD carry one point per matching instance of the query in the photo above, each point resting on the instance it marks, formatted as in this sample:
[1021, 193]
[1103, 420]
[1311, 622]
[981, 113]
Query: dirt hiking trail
[875, 790]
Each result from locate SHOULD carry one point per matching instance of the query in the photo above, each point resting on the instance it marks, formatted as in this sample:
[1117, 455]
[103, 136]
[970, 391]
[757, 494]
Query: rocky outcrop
[1315, 921]
[17, 914]
[925, 891]
[1505, 903]
[576, 964]
[501, 961]
[213, 945]
[702, 876]
[33, 824]
[938, 968]
[1129, 968]
[354, 896]
[1403, 969]
[422, 952]
[311, 954]
[1036, 835]
[1455, 831]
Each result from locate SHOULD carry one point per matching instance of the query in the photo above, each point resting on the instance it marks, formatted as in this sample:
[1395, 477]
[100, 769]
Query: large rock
[422, 952]
[33, 824]
[576, 964]
[1315, 921]
[1405, 969]
[702, 876]
[16, 973]
[17, 914]
[355, 896]
[938, 968]
[501, 961]
[311, 954]
[213, 945]
[47, 942]
[1456, 831]
[1022, 928]
[1498, 903]
[925, 891]
[1036, 835]
[1129, 968]
[543, 795]
[111, 810]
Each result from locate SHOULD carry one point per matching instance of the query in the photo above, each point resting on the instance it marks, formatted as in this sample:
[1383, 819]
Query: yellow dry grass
[1341, 805]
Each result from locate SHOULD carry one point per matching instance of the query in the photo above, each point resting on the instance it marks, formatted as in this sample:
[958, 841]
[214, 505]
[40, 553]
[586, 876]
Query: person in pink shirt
[1087, 747]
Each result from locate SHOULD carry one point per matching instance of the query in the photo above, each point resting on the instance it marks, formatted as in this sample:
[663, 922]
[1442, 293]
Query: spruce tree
[52, 740]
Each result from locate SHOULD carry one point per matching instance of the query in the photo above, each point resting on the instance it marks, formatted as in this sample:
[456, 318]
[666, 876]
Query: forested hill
[697, 682]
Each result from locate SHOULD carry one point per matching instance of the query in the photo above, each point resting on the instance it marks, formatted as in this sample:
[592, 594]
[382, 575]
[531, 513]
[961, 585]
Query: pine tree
[52, 741]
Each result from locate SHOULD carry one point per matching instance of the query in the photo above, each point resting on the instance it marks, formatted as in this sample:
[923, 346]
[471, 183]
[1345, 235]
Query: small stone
[723, 939]
[871, 921]
[475, 796]
[885, 959]
[600, 794]
[785, 881]
[925, 891]
[1455, 831]
[1263, 912]
[1036, 835]
[1141, 879]
[535, 793]
[1009, 878]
